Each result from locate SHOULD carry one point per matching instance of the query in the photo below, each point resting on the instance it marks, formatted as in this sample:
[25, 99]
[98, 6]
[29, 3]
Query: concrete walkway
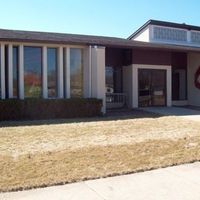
[175, 111]
[173, 183]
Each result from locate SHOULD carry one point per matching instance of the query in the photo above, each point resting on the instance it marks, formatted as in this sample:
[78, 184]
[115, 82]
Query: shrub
[15, 109]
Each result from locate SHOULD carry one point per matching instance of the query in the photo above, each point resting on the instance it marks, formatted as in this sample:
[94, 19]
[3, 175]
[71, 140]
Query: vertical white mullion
[3, 71]
[90, 71]
[21, 72]
[44, 73]
[10, 71]
[67, 73]
[60, 72]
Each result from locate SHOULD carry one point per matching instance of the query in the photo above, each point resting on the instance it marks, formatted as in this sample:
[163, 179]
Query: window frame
[82, 76]
[41, 70]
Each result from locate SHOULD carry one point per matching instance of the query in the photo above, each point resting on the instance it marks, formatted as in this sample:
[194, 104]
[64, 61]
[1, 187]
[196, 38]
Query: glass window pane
[109, 79]
[0, 71]
[6, 71]
[52, 71]
[76, 72]
[32, 71]
[15, 71]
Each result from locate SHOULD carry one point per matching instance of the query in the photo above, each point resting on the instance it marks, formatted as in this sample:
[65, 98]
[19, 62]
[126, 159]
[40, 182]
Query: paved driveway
[172, 183]
[175, 111]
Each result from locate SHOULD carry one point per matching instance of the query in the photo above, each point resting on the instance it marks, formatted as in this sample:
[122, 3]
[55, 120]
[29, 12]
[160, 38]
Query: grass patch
[44, 155]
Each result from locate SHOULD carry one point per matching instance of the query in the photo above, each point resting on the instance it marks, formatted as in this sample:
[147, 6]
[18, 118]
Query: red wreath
[197, 78]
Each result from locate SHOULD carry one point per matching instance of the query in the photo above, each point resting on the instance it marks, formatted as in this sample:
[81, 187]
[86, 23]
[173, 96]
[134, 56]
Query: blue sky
[117, 18]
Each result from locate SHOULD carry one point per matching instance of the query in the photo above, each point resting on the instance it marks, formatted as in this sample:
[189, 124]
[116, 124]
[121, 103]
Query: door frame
[165, 85]
[135, 84]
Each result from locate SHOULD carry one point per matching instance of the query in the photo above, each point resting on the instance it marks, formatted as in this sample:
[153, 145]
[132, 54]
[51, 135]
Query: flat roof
[62, 38]
[166, 24]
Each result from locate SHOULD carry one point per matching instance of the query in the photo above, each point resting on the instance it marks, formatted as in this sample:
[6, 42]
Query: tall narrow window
[52, 72]
[109, 79]
[6, 72]
[0, 72]
[76, 72]
[15, 71]
[32, 71]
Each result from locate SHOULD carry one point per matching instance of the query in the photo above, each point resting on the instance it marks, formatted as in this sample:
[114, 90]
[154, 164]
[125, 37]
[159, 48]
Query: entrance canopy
[147, 77]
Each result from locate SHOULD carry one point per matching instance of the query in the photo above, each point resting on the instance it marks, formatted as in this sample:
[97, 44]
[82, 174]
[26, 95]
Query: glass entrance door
[152, 87]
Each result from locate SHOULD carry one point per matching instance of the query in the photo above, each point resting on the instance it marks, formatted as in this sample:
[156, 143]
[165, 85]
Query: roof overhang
[73, 39]
[165, 24]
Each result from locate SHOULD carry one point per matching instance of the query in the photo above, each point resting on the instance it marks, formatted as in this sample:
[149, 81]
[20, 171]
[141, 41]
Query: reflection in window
[109, 79]
[15, 71]
[0, 71]
[6, 72]
[32, 71]
[76, 72]
[52, 72]
[113, 79]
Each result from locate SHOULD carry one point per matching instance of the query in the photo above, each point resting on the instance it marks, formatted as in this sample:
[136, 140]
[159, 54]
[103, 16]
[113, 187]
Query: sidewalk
[175, 111]
[172, 183]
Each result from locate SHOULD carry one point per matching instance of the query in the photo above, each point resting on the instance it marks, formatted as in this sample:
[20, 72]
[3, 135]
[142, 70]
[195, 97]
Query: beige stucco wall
[98, 88]
[193, 92]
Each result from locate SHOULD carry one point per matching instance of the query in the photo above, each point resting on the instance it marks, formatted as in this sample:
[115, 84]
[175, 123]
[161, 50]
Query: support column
[94, 72]
[135, 87]
[21, 72]
[169, 86]
[60, 72]
[2, 71]
[67, 73]
[98, 75]
[10, 71]
[90, 71]
[44, 73]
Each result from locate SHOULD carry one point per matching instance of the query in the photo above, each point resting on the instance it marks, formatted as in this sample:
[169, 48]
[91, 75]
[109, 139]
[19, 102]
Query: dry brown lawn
[43, 153]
